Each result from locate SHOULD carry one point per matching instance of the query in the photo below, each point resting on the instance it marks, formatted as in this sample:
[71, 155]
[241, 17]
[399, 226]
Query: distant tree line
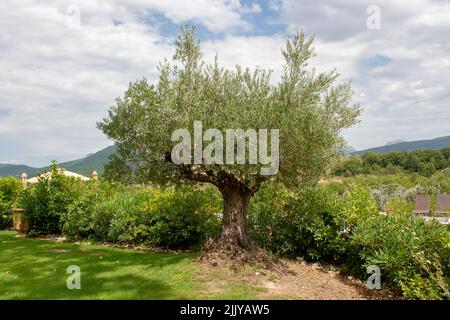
[424, 162]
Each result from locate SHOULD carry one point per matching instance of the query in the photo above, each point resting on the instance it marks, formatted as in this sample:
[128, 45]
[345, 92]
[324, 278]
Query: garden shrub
[169, 217]
[85, 217]
[313, 223]
[356, 205]
[320, 231]
[48, 200]
[184, 216]
[268, 223]
[5, 214]
[9, 191]
[124, 218]
[398, 205]
[413, 254]
[346, 227]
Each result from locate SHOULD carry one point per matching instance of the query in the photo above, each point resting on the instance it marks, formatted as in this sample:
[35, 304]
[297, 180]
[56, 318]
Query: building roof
[422, 204]
[442, 203]
[61, 170]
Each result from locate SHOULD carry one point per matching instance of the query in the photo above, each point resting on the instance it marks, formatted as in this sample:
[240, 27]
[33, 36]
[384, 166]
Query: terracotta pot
[21, 223]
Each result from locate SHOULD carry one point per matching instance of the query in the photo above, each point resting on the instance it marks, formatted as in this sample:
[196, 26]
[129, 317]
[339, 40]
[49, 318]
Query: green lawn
[36, 269]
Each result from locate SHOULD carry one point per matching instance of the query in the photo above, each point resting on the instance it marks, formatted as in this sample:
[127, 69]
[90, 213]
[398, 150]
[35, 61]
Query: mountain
[84, 166]
[349, 149]
[96, 161]
[394, 142]
[433, 144]
[16, 171]
[92, 162]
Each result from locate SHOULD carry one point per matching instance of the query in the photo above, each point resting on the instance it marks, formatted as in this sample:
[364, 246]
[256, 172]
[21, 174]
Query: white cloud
[56, 82]
[251, 52]
[408, 98]
[215, 15]
[57, 79]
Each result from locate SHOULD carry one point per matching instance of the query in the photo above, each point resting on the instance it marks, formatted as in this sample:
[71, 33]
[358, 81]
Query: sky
[63, 63]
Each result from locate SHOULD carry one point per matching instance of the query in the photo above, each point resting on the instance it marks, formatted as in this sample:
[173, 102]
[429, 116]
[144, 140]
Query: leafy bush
[312, 223]
[268, 220]
[48, 200]
[412, 253]
[171, 217]
[319, 229]
[9, 191]
[346, 227]
[385, 193]
[184, 217]
[398, 205]
[356, 205]
[124, 218]
[84, 218]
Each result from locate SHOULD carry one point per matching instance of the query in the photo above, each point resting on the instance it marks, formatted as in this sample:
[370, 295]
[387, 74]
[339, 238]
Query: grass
[37, 269]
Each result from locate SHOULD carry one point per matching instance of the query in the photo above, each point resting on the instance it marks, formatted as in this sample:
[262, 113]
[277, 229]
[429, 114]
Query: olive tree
[308, 108]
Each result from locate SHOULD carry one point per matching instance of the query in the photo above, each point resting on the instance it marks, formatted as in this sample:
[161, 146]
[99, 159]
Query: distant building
[441, 214]
[61, 170]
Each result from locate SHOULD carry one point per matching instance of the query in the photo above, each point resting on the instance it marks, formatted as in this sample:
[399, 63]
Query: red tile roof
[422, 204]
[442, 203]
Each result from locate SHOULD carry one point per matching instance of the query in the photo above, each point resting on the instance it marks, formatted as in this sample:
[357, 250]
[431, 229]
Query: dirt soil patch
[298, 280]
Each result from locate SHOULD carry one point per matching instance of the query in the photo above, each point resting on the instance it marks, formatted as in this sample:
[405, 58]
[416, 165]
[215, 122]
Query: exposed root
[225, 253]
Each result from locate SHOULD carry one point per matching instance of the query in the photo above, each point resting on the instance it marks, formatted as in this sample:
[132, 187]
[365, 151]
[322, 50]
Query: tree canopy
[307, 109]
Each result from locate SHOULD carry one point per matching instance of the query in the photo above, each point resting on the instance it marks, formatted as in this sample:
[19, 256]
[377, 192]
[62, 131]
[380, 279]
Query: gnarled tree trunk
[236, 202]
[236, 198]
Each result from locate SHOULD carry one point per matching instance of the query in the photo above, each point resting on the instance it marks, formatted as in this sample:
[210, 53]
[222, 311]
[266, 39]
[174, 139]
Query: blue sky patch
[378, 60]
[4, 113]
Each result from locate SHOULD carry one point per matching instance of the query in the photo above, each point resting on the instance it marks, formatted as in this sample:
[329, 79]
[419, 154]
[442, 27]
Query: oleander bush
[268, 224]
[345, 226]
[413, 254]
[314, 223]
[9, 191]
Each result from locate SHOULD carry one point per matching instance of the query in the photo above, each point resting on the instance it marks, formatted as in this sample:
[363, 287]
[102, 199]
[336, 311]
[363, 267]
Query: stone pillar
[94, 179]
[24, 180]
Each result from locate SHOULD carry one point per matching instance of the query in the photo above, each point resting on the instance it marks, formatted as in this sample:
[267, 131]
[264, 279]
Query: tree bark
[236, 201]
